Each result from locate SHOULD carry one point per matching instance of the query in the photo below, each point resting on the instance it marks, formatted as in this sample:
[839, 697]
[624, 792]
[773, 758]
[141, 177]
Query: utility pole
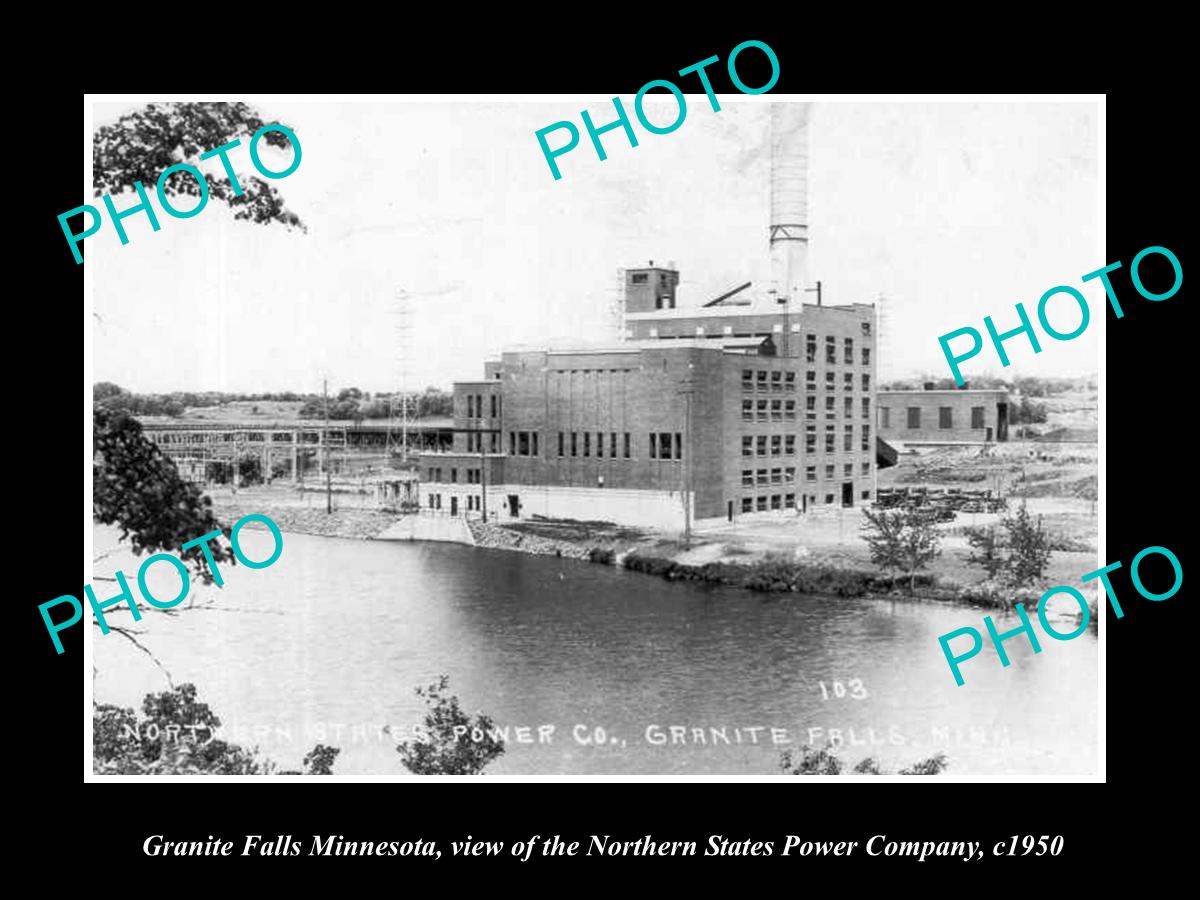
[325, 450]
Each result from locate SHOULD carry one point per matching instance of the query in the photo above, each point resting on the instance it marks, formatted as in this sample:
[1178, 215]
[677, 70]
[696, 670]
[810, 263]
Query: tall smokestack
[789, 199]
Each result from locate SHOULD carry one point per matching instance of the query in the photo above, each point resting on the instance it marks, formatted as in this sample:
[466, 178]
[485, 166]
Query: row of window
[475, 442]
[474, 502]
[786, 381]
[810, 350]
[945, 417]
[474, 476]
[779, 410]
[475, 406]
[764, 502]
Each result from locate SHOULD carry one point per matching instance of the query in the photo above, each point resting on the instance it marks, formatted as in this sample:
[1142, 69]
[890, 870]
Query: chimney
[930, 386]
[789, 200]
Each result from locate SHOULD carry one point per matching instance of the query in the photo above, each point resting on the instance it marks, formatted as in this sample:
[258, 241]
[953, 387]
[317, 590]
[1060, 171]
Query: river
[328, 643]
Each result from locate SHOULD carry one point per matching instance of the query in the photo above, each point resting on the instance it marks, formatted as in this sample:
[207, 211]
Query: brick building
[943, 416]
[729, 409]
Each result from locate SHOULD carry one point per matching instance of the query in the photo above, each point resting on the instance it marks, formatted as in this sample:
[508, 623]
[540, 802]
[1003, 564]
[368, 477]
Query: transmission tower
[401, 412]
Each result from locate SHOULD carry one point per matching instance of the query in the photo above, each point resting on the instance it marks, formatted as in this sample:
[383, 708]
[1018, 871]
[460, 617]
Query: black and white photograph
[529, 436]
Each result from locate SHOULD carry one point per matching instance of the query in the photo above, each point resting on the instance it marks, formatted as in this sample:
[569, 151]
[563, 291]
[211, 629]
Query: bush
[823, 761]
[443, 751]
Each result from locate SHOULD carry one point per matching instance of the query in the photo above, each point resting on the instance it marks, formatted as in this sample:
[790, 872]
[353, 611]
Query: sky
[947, 211]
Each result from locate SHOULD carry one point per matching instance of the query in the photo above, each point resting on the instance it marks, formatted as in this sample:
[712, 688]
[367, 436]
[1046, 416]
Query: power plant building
[753, 403]
[949, 416]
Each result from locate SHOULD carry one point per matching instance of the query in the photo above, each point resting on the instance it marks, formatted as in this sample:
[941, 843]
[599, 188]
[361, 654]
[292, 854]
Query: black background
[1149, 473]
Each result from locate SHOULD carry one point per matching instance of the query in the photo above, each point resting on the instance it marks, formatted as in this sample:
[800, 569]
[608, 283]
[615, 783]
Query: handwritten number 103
[839, 690]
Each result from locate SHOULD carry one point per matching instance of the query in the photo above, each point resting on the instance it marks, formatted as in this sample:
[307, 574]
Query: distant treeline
[349, 403]
[1026, 386]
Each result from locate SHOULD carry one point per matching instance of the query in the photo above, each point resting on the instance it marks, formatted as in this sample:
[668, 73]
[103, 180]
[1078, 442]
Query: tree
[985, 550]
[139, 489]
[1029, 547]
[176, 735]
[141, 145]
[919, 543]
[904, 540]
[882, 533]
[442, 750]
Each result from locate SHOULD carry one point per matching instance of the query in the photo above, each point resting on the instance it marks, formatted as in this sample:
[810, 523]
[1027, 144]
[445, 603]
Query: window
[470, 406]
[587, 444]
[885, 417]
[776, 442]
[747, 410]
[866, 356]
[789, 445]
[612, 444]
[761, 504]
[639, 278]
[848, 438]
[828, 438]
[760, 444]
[866, 382]
[831, 349]
[479, 406]
[810, 348]
[664, 445]
[789, 475]
[747, 445]
[789, 501]
[866, 438]
[776, 410]
[678, 445]
[522, 443]
[866, 407]
[914, 417]
[494, 440]
[848, 347]
[848, 470]
[866, 468]
[627, 445]
[512, 443]
[847, 381]
[789, 379]
[747, 477]
[535, 444]
[574, 444]
[777, 381]
[493, 406]
[777, 476]
[829, 498]
[829, 386]
[945, 417]
[747, 504]
[561, 443]
[789, 409]
[747, 379]
[810, 441]
[810, 473]
[454, 476]
[775, 501]
[762, 380]
[848, 405]
[762, 476]
[810, 380]
[810, 402]
[977, 417]
[762, 410]
[600, 444]
[829, 473]
[829, 400]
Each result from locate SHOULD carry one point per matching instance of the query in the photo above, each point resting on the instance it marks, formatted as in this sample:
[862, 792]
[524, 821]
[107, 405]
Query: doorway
[454, 506]
[730, 512]
[514, 505]
[988, 436]
[847, 493]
